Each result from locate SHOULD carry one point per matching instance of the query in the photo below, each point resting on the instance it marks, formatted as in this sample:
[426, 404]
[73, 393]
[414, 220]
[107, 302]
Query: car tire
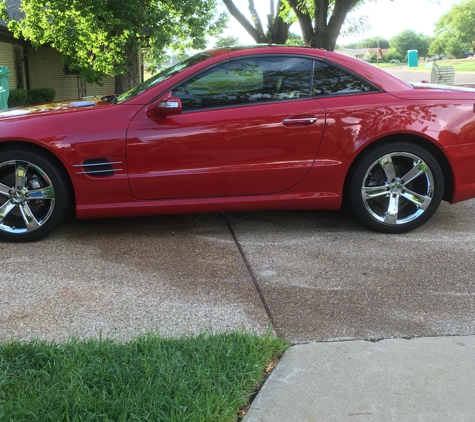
[395, 187]
[34, 195]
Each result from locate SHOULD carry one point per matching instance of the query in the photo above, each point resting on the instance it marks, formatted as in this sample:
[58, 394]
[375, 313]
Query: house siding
[7, 59]
[47, 70]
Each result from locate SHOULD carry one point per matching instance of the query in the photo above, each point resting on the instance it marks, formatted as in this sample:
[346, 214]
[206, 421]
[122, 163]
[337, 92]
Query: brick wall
[7, 59]
[47, 70]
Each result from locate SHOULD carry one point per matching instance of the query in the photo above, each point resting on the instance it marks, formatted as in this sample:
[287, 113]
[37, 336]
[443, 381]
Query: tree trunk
[258, 36]
[132, 76]
[277, 29]
[321, 33]
[324, 32]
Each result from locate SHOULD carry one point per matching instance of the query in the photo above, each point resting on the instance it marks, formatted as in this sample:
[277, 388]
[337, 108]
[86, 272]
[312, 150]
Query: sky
[387, 18]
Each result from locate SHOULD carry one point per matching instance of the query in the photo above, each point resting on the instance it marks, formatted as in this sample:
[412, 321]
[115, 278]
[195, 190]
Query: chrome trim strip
[98, 171]
[105, 163]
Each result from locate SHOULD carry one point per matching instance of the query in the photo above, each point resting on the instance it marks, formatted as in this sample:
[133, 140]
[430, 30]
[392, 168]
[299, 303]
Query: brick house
[42, 67]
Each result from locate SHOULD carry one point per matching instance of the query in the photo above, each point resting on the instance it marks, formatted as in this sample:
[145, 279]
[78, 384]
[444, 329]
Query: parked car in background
[267, 127]
[436, 57]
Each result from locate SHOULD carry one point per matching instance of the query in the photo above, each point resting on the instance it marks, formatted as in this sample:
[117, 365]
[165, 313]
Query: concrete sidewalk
[424, 379]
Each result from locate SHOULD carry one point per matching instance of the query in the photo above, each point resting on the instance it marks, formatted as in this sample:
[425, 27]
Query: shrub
[393, 55]
[17, 98]
[41, 95]
[22, 97]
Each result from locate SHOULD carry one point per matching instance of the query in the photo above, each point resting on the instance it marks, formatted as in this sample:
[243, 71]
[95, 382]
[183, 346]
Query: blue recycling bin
[4, 89]
[412, 58]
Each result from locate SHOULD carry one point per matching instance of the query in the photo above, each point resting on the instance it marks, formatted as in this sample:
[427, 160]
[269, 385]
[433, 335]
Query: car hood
[436, 92]
[55, 108]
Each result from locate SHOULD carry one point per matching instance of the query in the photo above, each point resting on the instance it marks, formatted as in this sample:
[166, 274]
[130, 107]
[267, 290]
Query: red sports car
[267, 127]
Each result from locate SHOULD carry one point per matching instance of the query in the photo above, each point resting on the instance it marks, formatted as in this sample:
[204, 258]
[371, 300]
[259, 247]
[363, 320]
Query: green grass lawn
[205, 378]
[460, 65]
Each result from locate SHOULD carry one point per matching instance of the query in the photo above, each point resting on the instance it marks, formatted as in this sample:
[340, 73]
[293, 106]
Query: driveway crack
[253, 277]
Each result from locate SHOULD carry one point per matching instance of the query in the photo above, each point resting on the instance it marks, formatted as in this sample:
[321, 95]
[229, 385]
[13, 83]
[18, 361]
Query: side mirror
[168, 107]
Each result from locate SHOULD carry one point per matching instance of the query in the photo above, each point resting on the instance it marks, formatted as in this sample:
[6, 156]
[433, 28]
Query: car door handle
[300, 121]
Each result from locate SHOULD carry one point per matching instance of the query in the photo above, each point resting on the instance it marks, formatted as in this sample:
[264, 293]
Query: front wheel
[34, 195]
[396, 187]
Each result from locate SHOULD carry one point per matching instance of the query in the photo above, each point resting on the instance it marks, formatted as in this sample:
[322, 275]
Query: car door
[248, 126]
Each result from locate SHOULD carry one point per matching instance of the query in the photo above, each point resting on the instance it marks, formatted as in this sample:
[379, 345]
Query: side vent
[97, 167]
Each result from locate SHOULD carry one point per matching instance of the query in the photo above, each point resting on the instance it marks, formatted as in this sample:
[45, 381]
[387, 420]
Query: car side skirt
[122, 204]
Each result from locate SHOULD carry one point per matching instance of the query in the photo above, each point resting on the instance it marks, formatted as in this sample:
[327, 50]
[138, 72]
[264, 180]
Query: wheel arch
[417, 140]
[4, 145]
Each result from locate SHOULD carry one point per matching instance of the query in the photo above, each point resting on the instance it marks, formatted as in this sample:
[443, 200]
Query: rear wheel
[396, 187]
[34, 195]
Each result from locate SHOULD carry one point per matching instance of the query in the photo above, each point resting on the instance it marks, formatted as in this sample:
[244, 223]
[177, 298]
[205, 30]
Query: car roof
[376, 76]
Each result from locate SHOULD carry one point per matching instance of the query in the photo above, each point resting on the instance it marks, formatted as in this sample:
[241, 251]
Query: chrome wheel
[397, 188]
[27, 197]
[34, 194]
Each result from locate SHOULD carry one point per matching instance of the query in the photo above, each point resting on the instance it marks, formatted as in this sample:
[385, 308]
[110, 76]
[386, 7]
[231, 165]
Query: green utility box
[412, 58]
[4, 90]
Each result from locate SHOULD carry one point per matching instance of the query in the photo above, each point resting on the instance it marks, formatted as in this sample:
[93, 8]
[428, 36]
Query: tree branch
[256, 20]
[253, 32]
[305, 22]
[341, 9]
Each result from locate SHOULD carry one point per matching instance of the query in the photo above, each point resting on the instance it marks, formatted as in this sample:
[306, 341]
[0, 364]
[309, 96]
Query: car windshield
[161, 76]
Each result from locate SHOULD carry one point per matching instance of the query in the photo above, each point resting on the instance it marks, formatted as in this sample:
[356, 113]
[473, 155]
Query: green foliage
[3, 10]
[18, 98]
[458, 21]
[438, 46]
[373, 42]
[41, 95]
[22, 97]
[349, 45]
[392, 54]
[96, 36]
[226, 41]
[410, 40]
[207, 378]
[295, 39]
[322, 21]
[455, 47]
[455, 30]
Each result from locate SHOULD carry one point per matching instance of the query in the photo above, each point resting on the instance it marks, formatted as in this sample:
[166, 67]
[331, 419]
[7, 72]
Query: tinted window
[161, 76]
[328, 80]
[248, 80]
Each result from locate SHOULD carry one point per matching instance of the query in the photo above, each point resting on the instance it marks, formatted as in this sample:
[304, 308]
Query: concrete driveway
[319, 276]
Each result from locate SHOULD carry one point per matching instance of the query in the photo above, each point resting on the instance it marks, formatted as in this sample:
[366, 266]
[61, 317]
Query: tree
[226, 41]
[373, 42]
[320, 20]
[3, 10]
[455, 30]
[294, 39]
[392, 54]
[277, 30]
[455, 47]
[410, 40]
[104, 37]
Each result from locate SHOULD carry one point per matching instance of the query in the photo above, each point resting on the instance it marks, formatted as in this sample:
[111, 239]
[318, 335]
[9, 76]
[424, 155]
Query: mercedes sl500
[268, 127]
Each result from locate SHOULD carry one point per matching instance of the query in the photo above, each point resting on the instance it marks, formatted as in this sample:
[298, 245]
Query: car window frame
[241, 58]
[374, 88]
